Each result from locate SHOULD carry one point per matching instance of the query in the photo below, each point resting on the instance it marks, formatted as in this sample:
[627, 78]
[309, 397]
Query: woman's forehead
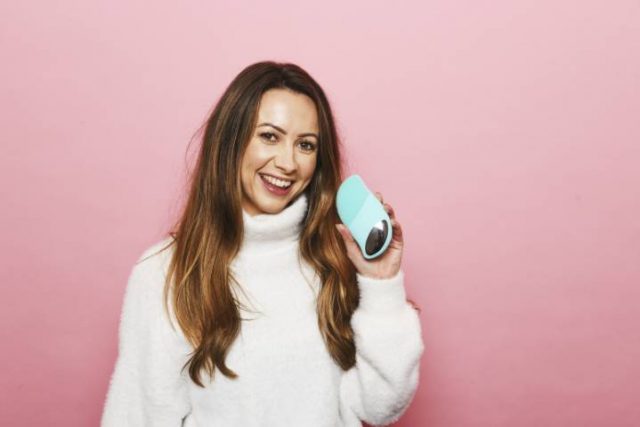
[289, 111]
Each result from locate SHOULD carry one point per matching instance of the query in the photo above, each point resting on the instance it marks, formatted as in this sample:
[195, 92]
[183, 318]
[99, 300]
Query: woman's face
[285, 146]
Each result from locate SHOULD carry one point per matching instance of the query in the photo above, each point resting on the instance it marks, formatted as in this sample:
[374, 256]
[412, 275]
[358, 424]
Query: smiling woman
[280, 159]
[329, 346]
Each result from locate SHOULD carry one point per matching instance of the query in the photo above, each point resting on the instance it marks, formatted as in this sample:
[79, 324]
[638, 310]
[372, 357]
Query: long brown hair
[209, 232]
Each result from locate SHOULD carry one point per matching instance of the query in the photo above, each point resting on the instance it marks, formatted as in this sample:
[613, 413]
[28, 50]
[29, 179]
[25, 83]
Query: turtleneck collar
[264, 233]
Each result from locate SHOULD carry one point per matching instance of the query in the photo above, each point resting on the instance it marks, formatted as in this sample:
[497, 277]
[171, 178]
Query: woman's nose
[285, 158]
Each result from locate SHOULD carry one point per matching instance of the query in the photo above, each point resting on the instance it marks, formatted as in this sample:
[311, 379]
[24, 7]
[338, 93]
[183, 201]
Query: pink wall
[506, 136]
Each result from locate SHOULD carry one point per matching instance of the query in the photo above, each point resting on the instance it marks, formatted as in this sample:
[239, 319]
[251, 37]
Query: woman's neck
[264, 233]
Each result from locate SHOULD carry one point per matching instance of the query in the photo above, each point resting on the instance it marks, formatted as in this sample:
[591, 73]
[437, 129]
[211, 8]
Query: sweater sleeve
[388, 338]
[146, 388]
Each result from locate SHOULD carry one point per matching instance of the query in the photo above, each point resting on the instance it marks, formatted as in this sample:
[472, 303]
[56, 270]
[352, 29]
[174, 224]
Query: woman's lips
[274, 189]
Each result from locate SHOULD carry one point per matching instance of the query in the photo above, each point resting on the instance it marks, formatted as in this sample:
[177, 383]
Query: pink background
[505, 134]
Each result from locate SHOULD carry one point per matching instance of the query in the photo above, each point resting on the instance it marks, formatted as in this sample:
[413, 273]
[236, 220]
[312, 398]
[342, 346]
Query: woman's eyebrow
[285, 132]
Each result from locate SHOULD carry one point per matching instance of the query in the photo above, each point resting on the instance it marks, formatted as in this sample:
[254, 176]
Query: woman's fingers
[390, 211]
[387, 207]
[379, 196]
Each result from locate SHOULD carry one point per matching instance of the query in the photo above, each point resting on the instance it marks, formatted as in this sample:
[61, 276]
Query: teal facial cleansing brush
[363, 214]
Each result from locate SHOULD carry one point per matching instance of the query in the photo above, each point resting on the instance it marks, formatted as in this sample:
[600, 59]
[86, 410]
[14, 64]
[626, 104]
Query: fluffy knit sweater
[286, 375]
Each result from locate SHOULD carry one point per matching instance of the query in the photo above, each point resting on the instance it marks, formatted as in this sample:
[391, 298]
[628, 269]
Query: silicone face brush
[363, 214]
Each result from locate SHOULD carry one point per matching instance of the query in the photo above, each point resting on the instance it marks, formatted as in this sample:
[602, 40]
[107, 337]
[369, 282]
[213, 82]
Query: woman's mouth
[276, 186]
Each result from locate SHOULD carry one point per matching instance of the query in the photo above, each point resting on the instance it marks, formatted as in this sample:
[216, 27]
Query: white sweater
[286, 375]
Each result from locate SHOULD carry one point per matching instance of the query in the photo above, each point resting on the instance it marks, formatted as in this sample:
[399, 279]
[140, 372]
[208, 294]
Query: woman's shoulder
[153, 263]
[143, 303]
[157, 251]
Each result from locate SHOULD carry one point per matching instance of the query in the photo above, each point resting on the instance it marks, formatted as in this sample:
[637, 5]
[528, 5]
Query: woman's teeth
[280, 183]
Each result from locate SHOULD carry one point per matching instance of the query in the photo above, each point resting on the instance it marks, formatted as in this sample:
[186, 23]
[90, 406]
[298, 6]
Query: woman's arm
[146, 388]
[388, 338]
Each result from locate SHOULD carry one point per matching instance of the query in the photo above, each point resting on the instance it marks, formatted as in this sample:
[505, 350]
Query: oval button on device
[363, 214]
[377, 237]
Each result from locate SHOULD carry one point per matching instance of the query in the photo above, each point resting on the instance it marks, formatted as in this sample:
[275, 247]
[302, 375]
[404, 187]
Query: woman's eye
[309, 145]
[267, 136]
[271, 137]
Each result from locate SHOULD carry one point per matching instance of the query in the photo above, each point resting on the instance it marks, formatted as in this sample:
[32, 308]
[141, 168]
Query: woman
[264, 284]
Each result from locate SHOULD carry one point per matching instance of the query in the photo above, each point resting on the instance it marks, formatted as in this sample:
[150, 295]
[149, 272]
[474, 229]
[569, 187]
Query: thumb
[341, 229]
[353, 250]
[346, 235]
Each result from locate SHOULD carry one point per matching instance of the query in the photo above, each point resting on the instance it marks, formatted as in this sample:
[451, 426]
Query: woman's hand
[386, 265]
